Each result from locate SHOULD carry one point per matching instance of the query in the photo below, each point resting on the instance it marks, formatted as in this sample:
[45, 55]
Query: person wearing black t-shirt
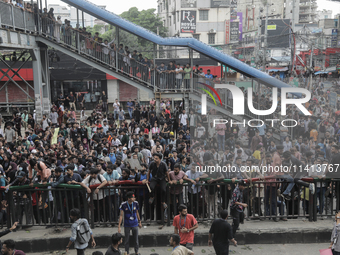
[72, 101]
[104, 99]
[159, 171]
[221, 231]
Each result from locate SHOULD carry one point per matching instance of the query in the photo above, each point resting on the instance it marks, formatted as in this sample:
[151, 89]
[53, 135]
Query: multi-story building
[204, 20]
[304, 11]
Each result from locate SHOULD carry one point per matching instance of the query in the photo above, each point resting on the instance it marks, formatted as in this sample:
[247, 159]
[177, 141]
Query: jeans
[130, 112]
[237, 218]
[221, 142]
[112, 207]
[162, 186]
[291, 184]
[320, 194]
[127, 238]
[115, 113]
[270, 197]
[189, 246]
[221, 249]
[178, 83]
[81, 252]
[212, 210]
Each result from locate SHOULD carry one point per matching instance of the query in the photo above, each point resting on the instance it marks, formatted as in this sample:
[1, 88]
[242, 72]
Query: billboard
[188, 3]
[234, 31]
[240, 17]
[278, 33]
[219, 3]
[188, 21]
[334, 41]
[233, 9]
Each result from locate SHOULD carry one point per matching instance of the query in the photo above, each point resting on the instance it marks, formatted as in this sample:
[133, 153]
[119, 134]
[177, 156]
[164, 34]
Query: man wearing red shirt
[185, 224]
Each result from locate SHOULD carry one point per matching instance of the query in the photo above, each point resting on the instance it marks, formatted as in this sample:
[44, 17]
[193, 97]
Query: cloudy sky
[146, 4]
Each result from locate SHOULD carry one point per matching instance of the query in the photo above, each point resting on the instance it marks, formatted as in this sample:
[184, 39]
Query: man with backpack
[81, 233]
[95, 178]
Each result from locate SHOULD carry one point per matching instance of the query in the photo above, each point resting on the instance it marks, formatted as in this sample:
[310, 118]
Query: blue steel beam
[192, 43]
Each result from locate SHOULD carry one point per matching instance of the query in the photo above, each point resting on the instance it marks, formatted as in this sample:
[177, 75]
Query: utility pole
[265, 39]
[157, 44]
[259, 32]
[293, 30]
[310, 68]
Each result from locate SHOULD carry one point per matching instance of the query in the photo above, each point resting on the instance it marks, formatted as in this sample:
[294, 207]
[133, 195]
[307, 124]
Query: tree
[146, 19]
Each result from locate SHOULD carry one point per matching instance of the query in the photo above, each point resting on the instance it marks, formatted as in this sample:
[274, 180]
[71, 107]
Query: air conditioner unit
[211, 31]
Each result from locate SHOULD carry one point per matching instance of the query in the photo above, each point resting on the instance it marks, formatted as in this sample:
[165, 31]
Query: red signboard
[227, 32]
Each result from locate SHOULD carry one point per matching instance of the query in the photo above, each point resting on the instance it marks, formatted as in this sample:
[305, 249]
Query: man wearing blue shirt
[130, 107]
[129, 210]
[142, 198]
[209, 77]
[76, 221]
[112, 177]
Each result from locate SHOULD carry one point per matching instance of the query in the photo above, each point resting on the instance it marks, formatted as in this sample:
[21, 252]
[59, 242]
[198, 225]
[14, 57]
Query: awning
[282, 59]
[320, 72]
[277, 69]
[330, 69]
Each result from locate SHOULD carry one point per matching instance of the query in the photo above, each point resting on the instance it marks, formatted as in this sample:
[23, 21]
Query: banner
[188, 22]
[55, 136]
[188, 3]
[334, 40]
[219, 3]
[234, 26]
[227, 31]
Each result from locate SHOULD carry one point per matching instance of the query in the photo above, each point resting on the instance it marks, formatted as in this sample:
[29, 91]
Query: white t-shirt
[200, 131]
[179, 75]
[94, 181]
[116, 106]
[183, 118]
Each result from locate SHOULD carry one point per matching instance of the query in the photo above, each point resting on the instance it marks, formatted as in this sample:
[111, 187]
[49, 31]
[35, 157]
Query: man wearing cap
[129, 210]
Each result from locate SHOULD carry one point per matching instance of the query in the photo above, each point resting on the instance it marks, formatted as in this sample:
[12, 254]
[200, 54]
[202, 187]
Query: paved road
[266, 249]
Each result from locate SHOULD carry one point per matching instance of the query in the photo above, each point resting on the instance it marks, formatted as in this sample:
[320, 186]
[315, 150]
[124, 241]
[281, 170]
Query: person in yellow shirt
[257, 152]
[314, 134]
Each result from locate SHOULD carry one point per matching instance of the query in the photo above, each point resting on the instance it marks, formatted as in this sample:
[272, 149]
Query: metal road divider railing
[41, 205]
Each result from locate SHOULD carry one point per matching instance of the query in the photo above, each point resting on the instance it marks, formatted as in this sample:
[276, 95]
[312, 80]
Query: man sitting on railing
[159, 171]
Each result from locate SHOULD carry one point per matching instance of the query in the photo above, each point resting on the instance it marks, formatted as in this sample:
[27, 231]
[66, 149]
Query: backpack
[83, 232]
[99, 179]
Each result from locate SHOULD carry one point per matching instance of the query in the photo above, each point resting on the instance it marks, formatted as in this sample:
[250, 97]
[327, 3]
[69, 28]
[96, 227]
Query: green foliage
[146, 19]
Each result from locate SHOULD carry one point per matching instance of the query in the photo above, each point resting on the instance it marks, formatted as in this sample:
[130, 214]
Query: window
[170, 20]
[196, 36]
[204, 15]
[211, 38]
[175, 18]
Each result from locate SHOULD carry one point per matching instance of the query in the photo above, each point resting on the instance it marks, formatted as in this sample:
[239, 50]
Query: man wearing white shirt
[116, 106]
[183, 118]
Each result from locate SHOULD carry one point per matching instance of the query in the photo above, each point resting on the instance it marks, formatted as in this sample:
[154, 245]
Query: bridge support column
[41, 75]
